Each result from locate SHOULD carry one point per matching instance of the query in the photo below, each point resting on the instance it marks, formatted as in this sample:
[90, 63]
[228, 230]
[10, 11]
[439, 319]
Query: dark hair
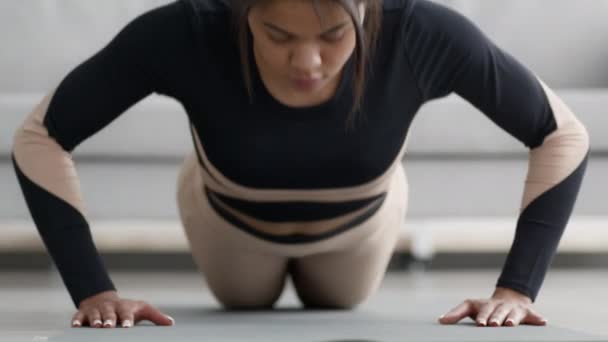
[367, 35]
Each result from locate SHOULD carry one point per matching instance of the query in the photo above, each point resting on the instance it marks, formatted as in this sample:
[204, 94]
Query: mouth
[307, 84]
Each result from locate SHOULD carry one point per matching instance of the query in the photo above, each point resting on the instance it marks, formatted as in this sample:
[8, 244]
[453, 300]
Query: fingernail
[171, 318]
[440, 317]
[482, 322]
[510, 321]
[76, 323]
[545, 321]
[95, 322]
[107, 323]
[126, 323]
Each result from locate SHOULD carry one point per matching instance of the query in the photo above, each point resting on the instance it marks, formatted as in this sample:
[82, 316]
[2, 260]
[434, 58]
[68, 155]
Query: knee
[336, 301]
[240, 304]
[326, 296]
[331, 305]
[247, 301]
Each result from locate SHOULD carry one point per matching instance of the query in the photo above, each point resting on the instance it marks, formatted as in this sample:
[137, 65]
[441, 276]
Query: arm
[448, 53]
[90, 97]
[555, 173]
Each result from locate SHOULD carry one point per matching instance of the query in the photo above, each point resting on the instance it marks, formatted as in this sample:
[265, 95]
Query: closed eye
[333, 36]
[279, 37]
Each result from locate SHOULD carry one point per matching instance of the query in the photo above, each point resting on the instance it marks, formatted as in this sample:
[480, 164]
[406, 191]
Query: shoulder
[208, 6]
[431, 18]
[157, 26]
[393, 5]
[209, 18]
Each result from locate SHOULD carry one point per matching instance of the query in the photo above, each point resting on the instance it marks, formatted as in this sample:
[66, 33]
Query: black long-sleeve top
[262, 158]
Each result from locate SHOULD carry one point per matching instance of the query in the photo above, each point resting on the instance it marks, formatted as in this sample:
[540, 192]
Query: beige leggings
[243, 271]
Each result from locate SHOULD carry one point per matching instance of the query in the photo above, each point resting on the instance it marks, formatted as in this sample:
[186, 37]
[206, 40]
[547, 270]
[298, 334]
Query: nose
[306, 58]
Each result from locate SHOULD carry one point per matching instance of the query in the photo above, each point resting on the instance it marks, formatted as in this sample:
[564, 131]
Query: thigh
[237, 276]
[345, 278]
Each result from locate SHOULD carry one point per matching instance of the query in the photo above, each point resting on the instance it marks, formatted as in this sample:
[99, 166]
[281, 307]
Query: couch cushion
[49, 38]
[438, 188]
[446, 126]
[563, 43]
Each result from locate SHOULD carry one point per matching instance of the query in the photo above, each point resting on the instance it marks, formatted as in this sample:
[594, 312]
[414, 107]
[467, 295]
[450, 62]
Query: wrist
[507, 293]
[105, 295]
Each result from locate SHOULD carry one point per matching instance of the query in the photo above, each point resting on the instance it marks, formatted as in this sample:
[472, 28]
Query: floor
[35, 307]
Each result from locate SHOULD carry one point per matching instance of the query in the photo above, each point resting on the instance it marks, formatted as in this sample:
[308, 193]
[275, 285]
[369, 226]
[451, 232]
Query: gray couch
[466, 175]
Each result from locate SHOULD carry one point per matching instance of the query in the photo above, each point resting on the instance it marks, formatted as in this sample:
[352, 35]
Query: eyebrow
[276, 28]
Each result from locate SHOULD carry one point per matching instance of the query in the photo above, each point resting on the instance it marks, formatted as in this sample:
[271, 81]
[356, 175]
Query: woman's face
[300, 57]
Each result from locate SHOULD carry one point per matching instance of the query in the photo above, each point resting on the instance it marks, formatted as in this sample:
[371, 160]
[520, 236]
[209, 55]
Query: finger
[78, 319]
[500, 314]
[484, 313]
[125, 314]
[152, 314]
[456, 314]
[515, 317]
[94, 318]
[108, 315]
[534, 318]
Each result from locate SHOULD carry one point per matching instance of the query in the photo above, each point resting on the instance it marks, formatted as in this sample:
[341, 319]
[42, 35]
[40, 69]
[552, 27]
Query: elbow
[577, 136]
[585, 138]
[17, 142]
[24, 138]
[570, 138]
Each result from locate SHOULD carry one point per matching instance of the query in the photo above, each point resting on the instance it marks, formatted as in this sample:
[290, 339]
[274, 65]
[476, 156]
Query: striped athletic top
[267, 164]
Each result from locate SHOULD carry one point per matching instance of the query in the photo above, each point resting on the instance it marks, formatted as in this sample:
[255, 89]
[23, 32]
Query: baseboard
[422, 237]
[400, 261]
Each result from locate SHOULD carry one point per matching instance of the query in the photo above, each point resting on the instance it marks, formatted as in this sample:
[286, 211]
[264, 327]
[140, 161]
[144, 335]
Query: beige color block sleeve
[43, 161]
[561, 153]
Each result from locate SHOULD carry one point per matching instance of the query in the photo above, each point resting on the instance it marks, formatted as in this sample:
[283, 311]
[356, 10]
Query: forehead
[302, 15]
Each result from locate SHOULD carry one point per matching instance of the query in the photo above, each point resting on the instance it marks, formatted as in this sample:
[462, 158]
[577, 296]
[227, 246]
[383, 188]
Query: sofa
[466, 175]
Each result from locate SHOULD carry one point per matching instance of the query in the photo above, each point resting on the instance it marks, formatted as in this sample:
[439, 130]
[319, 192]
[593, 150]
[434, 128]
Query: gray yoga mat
[293, 324]
[404, 309]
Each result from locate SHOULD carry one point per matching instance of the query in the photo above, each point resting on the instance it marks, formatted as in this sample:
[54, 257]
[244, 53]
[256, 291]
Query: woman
[299, 113]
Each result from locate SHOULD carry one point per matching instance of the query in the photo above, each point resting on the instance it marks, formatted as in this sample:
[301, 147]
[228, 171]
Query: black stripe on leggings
[293, 238]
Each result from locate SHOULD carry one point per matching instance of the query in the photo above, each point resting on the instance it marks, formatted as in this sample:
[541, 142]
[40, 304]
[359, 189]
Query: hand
[506, 307]
[110, 308]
